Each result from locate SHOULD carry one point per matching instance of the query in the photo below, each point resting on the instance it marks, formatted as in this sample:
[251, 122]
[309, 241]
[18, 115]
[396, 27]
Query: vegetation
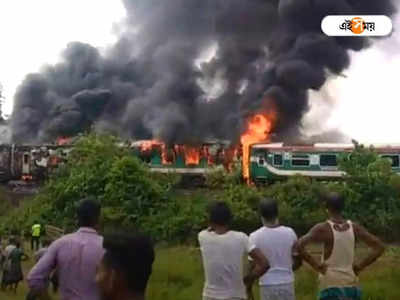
[372, 191]
[98, 167]
[133, 197]
[178, 274]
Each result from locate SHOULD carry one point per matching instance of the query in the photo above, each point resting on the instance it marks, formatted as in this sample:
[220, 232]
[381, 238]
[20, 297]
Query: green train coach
[270, 162]
[181, 159]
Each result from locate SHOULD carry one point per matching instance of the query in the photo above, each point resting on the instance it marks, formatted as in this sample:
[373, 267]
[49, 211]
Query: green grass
[178, 275]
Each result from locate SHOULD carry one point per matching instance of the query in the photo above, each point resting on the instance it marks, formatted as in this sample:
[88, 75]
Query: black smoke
[270, 52]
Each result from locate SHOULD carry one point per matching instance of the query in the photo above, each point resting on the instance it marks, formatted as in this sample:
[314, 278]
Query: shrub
[132, 196]
[219, 177]
[97, 167]
[372, 191]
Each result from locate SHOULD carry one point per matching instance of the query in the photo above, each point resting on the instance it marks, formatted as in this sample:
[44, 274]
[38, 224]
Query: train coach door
[26, 163]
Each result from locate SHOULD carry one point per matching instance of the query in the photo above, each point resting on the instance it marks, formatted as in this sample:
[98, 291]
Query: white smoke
[364, 105]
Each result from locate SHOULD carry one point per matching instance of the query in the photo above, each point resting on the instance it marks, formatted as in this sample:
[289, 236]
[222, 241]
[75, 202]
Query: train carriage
[182, 159]
[269, 162]
[30, 162]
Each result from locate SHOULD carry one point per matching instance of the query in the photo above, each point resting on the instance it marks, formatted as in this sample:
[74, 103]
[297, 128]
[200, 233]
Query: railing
[54, 232]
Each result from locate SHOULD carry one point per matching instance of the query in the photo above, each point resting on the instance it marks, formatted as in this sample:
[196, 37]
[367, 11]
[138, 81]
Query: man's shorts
[277, 292]
[347, 293]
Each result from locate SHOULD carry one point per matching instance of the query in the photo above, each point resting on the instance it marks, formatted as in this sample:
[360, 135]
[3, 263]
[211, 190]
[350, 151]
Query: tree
[372, 190]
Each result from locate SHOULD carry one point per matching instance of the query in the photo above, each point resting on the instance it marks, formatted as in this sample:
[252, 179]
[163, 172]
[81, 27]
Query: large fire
[63, 141]
[258, 130]
[192, 155]
[148, 145]
[165, 156]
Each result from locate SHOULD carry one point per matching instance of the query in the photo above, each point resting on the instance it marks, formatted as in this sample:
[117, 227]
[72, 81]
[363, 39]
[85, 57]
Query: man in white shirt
[279, 245]
[223, 251]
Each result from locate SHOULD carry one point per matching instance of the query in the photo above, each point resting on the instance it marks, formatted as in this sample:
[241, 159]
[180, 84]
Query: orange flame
[148, 145]
[160, 146]
[26, 177]
[63, 141]
[166, 160]
[229, 156]
[192, 155]
[258, 130]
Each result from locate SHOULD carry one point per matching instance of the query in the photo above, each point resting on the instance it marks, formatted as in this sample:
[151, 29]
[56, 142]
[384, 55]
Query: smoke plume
[147, 85]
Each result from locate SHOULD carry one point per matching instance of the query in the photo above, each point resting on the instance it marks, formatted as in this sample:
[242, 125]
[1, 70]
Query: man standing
[126, 267]
[35, 239]
[76, 257]
[278, 244]
[223, 251]
[338, 271]
[12, 242]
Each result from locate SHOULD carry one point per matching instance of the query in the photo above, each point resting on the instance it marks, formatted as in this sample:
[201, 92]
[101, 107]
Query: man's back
[223, 262]
[36, 230]
[76, 257]
[340, 259]
[276, 244]
[338, 271]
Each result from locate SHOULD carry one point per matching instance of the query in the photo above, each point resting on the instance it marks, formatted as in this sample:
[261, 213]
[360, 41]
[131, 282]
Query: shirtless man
[338, 271]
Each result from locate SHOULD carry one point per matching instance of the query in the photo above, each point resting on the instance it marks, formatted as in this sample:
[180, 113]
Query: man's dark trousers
[35, 241]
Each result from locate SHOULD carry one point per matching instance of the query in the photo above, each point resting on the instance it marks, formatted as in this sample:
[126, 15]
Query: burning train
[230, 60]
[265, 163]
[30, 162]
[262, 162]
[184, 159]
[35, 162]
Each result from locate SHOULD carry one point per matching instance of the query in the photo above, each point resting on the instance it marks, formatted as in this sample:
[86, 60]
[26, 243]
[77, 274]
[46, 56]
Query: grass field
[178, 275]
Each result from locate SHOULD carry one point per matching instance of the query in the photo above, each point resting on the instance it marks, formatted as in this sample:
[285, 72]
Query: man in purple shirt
[76, 257]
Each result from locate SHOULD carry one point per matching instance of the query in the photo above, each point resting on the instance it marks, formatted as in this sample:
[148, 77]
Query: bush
[372, 191]
[298, 199]
[243, 201]
[97, 167]
[220, 178]
[134, 197]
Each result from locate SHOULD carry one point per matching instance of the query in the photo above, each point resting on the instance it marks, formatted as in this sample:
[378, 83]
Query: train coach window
[26, 158]
[278, 160]
[300, 160]
[394, 159]
[328, 160]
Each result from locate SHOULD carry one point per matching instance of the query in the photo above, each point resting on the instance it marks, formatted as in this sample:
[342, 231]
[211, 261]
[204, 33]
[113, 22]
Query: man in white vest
[338, 270]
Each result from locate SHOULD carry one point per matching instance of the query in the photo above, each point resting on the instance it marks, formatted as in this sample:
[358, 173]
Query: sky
[364, 105]
[33, 33]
